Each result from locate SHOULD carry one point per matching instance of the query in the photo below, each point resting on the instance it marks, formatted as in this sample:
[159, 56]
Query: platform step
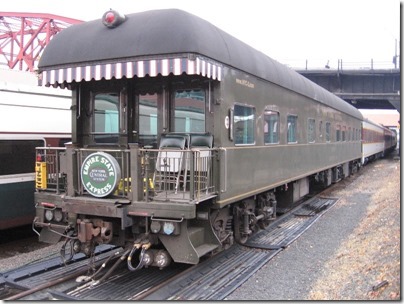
[196, 235]
[205, 248]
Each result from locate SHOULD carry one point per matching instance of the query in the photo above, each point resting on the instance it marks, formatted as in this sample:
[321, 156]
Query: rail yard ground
[351, 253]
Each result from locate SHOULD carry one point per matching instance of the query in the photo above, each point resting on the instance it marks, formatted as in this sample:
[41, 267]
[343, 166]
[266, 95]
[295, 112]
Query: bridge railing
[341, 65]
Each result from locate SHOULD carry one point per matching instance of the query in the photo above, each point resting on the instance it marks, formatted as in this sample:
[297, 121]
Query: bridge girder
[23, 37]
[364, 89]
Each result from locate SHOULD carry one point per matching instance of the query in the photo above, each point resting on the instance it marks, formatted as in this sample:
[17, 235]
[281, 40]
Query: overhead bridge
[363, 88]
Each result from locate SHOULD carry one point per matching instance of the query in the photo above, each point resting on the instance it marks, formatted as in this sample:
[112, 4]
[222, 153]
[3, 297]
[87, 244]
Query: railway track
[212, 279]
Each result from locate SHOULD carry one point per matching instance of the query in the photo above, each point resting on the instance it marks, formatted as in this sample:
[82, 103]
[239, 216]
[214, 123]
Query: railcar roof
[173, 31]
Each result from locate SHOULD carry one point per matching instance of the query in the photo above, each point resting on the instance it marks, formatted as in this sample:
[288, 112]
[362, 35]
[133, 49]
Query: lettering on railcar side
[245, 82]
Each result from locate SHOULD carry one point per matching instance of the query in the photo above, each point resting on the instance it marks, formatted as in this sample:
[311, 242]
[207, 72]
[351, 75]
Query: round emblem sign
[100, 174]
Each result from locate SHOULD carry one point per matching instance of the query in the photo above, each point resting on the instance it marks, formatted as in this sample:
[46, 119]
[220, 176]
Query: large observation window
[106, 118]
[189, 111]
[244, 125]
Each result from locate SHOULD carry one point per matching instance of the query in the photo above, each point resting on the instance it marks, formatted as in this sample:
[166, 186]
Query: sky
[292, 32]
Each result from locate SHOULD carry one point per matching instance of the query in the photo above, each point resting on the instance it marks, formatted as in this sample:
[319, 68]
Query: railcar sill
[89, 199]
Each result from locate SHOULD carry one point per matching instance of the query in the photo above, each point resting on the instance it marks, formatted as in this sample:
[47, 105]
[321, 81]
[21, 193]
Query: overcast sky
[290, 31]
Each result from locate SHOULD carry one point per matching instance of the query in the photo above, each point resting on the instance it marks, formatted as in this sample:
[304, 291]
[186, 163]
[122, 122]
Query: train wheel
[242, 220]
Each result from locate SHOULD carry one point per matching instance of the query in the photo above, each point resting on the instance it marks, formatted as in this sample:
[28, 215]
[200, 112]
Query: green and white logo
[100, 174]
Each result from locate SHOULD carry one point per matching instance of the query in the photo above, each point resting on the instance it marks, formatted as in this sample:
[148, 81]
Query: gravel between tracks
[22, 259]
[348, 252]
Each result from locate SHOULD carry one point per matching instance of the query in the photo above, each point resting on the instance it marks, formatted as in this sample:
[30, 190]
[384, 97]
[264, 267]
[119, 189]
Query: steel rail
[71, 276]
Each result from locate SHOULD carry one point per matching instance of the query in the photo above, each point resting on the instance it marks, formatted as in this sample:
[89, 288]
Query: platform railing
[166, 174]
[50, 174]
[178, 175]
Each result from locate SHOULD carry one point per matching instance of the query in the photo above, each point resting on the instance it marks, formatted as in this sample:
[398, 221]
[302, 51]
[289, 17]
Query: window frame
[236, 143]
[327, 131]
[311, 130]
[338, 136]
[343, 133]
[269, 112]
[115, 137]
[295, 129]
[175, 127]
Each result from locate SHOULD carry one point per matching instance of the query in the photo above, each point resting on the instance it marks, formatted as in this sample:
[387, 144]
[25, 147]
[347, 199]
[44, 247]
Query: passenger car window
[244, 125]
[189, 110]
[106, 118]
[311, 132]
[271, 127]
[292, 128]
[344, 133]
[328, 131]
[16, 156]
[338, 133]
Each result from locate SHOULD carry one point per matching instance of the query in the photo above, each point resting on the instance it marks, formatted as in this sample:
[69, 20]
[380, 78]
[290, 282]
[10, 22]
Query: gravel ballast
[348, 252]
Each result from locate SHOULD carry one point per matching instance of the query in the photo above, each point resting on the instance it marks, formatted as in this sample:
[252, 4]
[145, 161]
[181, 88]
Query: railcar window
[328, 131]
[271, 129]
[244, 125]
[18, 156]
[148, 119]
[106, 118]
[320, 129]
[292, 128]
[338, 133]
[343, 133]
[189, 113]
[311, 132]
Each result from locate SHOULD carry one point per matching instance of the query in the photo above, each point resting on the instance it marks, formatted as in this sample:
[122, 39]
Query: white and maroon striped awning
[129, 69]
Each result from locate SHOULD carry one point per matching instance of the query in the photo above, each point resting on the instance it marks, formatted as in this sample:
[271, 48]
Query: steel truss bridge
[23, 37]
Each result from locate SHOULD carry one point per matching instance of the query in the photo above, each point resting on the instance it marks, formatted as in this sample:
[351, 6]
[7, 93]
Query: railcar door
[148, 110]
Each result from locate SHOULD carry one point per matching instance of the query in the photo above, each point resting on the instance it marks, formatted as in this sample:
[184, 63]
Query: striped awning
[129, 69]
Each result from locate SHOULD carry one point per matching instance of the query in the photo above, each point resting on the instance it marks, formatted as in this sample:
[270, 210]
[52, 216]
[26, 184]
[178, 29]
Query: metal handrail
[179, 174]
[54, 176]
[342, 65]
[192, 181]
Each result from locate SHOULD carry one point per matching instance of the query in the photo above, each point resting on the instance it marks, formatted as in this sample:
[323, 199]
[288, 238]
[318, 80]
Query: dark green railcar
[185, 139]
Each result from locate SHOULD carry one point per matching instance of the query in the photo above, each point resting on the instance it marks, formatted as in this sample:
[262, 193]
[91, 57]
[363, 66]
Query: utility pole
[395, 56]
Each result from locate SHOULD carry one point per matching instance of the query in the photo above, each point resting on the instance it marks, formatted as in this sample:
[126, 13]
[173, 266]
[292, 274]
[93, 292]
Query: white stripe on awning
[129, 69]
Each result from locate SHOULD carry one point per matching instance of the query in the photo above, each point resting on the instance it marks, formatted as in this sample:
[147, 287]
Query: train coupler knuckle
[94, 229]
